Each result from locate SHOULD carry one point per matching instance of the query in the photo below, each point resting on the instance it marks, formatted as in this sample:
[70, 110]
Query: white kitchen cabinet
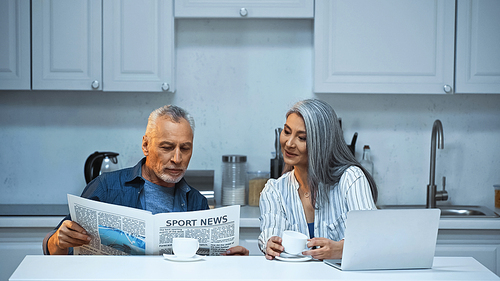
[483, 245]
[478, 45]
[244, 9]
[138, 45]
[66, 44]
[384, 46]
[15, 53]
[485, 254]
[112, 45]
[16, 243]
[13, 253]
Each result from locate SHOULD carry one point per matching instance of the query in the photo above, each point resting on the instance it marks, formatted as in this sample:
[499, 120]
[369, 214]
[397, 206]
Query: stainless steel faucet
[432, 194]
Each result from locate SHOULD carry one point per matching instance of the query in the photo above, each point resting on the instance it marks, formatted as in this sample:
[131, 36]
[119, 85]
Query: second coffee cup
[185, 247]
[294, 242]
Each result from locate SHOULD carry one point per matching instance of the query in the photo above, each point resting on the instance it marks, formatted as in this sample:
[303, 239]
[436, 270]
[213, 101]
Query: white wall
[238, 78]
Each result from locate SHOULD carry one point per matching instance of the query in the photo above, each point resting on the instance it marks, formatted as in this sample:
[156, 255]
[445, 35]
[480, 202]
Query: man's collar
[136, 171]
[182, 185]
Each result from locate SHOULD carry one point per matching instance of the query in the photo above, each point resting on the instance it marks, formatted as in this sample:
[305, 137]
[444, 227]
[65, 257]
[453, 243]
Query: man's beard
[168, 178]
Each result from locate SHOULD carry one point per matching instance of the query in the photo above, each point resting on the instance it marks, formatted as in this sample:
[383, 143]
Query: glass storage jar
[256, 182]
[233, 179]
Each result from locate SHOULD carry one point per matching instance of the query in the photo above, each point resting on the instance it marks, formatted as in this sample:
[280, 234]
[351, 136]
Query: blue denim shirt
[126, 188]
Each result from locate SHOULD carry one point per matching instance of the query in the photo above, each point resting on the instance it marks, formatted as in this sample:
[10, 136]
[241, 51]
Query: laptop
[389, 239]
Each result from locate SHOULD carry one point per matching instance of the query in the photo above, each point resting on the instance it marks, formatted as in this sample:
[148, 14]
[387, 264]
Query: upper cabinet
[138, 42]
[110, 45]
[66, 44]
[384, 46]
[478, 46]
[244, 9]
[15, 54]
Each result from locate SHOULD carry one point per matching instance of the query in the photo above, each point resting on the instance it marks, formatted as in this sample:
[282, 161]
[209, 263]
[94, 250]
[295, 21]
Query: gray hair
[327, 153]
[171, 111]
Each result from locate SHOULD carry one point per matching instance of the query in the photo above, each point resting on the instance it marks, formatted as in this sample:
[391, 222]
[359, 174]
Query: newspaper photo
[119, 230]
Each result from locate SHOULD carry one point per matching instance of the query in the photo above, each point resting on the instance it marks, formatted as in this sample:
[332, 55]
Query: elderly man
[155, 184]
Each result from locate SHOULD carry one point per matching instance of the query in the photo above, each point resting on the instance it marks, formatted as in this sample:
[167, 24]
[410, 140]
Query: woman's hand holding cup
[325, 248]
[273, 247]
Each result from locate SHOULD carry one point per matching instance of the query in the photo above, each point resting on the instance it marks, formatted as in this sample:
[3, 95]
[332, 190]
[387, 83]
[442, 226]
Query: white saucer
[176, 258]
[288, 257]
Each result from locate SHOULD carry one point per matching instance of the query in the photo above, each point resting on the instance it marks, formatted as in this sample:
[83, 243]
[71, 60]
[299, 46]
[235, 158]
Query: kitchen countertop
[249, 218]
[34, 209]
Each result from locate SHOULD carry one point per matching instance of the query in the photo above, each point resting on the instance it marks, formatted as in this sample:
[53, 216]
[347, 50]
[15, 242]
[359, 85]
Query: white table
[229, 268]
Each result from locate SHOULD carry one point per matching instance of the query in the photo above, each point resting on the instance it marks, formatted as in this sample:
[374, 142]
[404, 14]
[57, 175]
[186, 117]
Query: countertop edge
[249, 218]
[30, 221]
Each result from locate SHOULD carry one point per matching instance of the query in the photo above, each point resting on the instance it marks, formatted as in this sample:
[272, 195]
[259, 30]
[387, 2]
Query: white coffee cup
[185, 247]
[294, 242]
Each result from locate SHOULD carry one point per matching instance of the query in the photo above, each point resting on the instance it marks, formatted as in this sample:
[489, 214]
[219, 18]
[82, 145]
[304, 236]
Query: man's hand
[274, 247]
[326, 248]
[69, 234]
[236, 251]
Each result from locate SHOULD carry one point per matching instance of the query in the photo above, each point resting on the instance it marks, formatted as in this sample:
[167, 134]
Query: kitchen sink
[452, 211]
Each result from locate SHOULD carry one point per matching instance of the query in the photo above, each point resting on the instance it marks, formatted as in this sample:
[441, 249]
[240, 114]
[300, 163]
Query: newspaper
[119, 230]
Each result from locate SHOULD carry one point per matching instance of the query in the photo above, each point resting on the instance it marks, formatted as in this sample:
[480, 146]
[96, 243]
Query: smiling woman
[322, 181]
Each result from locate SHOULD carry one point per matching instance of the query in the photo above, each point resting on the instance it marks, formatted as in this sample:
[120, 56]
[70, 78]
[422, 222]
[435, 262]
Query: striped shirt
[281, 208]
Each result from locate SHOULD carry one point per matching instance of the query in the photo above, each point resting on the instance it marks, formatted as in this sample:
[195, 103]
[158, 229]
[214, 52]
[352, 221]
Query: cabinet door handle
[165, 86]
[95, 84]
[243, 12]
[447, 88]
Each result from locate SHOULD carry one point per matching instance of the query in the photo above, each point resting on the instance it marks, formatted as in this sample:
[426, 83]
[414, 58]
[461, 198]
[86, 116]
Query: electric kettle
[98, 163]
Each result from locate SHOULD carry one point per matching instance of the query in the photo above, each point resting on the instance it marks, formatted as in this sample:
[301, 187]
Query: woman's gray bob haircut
[173, 112]
[327, 153]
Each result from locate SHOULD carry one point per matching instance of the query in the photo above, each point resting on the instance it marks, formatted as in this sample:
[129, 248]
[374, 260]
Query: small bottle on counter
[366, 162]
